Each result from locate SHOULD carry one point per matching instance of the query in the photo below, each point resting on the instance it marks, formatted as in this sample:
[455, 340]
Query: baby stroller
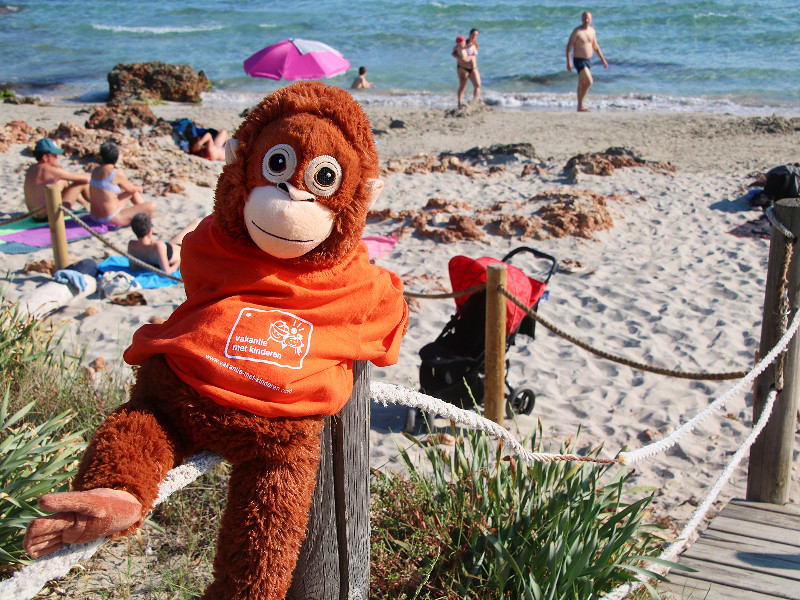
[452, 367]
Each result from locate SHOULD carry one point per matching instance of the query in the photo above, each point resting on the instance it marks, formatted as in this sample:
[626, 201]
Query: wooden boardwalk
[750, 550]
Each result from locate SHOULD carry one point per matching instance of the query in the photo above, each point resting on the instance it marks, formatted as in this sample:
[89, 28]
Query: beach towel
[757, 228]
[379, 245]
[22, 225]
[38, 236]
[147, 279]
[16, 248]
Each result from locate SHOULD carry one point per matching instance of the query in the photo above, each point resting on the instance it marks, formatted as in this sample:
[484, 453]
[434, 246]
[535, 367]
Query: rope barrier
[618, 359]
[27, 582]
[630, 458]
[389, 393]
[671, 552]
[133, 259]
[472, 290]
[35, 211]
[770, 213]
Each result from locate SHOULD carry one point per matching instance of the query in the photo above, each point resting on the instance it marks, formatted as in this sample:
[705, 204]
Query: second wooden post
[495, 361]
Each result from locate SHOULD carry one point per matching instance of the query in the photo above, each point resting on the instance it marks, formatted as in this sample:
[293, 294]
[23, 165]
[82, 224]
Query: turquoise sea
[734, 56]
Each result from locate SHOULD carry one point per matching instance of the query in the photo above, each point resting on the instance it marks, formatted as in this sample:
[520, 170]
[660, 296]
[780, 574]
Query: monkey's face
[301, 174]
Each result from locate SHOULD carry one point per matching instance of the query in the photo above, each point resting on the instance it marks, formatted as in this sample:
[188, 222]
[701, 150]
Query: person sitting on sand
[109, 189]
[361, 82]
[165, 255]
[208, 143]
[74, 186]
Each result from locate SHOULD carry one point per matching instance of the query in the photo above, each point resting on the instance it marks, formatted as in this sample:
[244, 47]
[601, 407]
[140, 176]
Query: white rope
[634, 456]
[27, 582]
[672, 551]
[386, 393]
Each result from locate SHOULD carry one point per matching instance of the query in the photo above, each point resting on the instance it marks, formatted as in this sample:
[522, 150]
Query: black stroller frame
[453, 366]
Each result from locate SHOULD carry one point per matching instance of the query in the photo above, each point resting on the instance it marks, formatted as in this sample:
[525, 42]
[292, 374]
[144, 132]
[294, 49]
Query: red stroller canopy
[468, 272]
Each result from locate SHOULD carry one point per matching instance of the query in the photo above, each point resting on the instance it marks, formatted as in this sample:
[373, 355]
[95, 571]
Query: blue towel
[17, 248]
[147, 279]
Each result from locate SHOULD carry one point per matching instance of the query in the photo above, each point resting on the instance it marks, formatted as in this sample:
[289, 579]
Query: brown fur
[274, 461]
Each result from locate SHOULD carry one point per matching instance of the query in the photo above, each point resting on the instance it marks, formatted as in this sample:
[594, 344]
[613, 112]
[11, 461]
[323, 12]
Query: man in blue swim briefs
[582, 45]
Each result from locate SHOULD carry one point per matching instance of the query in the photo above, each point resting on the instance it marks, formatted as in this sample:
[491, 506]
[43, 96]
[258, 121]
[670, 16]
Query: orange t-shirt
[261, 335]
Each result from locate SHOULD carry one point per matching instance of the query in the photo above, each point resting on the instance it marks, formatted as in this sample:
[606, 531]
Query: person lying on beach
[110, 189]
[74, 186]
[165, 255]
[208, 143]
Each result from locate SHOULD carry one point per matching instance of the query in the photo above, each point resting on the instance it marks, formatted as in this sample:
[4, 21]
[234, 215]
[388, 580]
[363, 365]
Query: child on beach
[165, 255]
[109, 189]
[74, 186]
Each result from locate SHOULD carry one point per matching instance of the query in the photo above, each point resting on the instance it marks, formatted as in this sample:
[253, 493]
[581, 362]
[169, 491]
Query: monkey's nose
[296, 194]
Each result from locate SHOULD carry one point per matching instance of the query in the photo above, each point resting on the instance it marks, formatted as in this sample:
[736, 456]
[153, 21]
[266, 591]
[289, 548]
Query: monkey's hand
[80, 517]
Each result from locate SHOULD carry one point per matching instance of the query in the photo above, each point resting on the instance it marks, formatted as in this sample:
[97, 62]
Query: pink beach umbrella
[296, 59]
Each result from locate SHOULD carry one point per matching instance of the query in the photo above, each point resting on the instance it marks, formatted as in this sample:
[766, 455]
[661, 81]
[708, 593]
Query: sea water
[739, 56]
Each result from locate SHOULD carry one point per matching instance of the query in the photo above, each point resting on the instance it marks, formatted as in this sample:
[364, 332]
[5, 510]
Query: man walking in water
[583, 44]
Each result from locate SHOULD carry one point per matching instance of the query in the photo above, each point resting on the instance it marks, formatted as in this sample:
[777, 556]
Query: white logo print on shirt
[270, 336]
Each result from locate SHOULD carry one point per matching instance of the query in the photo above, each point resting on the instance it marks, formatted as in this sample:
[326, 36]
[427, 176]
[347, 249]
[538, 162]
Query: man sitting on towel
[74, 186]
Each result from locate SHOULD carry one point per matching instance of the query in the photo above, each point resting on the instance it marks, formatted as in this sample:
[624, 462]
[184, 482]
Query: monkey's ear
[374, 189]
[230, 150]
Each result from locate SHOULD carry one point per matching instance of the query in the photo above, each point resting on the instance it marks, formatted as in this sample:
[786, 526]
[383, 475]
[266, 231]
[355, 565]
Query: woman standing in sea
[472, 50]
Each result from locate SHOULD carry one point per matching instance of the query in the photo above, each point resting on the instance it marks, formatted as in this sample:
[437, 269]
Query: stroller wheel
[520, 401]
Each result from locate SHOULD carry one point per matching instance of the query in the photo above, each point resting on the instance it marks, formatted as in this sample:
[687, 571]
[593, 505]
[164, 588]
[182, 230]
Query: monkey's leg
[266, 516]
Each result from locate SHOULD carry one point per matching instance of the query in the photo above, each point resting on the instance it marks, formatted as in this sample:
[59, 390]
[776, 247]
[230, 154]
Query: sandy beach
[666, 284]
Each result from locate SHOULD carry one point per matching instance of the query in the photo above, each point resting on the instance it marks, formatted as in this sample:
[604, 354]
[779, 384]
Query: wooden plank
[684, 588]
[749, 544]
[788, 509]
[765, 517]
[755, 530]
[741, 579]
[743, 557]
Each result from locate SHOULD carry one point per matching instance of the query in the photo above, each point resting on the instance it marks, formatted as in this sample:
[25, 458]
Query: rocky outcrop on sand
[475, 162]
[156, 82]
[148, 156]
[119, 117]
[576, 213]
[604, 163]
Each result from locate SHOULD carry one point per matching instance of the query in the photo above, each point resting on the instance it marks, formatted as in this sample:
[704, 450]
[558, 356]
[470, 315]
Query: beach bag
[782, 182]
[117, 283]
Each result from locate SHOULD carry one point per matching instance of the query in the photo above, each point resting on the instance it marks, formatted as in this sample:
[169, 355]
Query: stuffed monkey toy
[281, 299]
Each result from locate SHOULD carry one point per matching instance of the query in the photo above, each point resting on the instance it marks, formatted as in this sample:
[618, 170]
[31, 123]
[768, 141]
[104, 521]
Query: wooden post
[58, 234]
[769, 472]
[334, 559]
[494, 383]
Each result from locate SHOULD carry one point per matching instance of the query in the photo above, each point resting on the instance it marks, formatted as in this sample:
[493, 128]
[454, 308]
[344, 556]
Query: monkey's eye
[323, 176]
[279, 163]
